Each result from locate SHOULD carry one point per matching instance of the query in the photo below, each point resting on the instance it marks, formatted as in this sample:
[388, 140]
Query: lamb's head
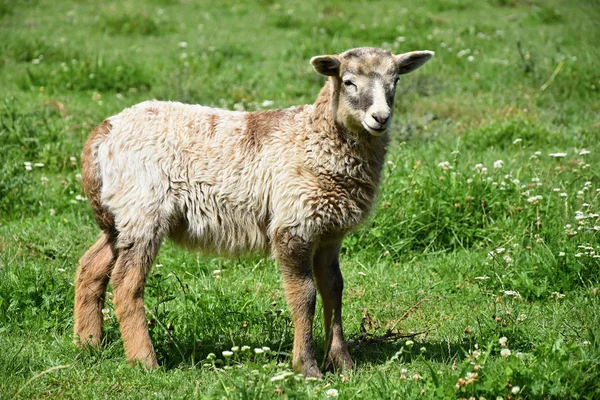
[364, 85]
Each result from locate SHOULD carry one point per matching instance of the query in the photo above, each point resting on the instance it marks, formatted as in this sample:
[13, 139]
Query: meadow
[476, 277]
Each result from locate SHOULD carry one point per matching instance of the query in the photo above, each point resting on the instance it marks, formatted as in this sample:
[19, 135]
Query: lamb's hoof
[148, 362]
[89, 341]
[312, 372]
[339, 360]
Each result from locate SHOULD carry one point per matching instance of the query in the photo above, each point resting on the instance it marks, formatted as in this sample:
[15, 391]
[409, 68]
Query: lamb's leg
[295, 261]
[129, 281]
[90, 289]
[331, 284]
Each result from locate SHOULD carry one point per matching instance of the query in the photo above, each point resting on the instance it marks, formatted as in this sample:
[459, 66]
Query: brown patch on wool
[90, 179]
[213, 120]
[258, 125]
[152, 110]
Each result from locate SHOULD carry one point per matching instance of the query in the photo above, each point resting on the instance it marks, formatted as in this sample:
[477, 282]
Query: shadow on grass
[191, 352]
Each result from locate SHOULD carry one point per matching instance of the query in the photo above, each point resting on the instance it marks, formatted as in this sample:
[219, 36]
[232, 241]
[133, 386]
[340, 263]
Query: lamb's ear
[326, 65]
[408, 62]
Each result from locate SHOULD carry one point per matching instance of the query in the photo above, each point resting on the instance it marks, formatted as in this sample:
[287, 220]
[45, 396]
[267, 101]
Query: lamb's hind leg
[129, 280]
[331, 284]
[295, 261]
[90, 289]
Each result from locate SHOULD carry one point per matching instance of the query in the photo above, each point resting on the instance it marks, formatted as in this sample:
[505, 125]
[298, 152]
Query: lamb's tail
[91, 179]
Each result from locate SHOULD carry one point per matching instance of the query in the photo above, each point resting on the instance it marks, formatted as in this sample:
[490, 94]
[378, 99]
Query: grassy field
[477, 275]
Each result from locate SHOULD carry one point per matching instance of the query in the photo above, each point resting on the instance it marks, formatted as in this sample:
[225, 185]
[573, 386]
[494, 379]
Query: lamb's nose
[381, 118]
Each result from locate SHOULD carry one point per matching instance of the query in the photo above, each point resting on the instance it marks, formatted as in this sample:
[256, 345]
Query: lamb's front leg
[295, 261]
[331, 284]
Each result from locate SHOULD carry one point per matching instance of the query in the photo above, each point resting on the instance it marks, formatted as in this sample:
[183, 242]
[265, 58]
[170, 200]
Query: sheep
[292, 181]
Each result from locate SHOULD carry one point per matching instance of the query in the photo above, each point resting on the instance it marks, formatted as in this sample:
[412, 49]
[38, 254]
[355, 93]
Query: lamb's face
[364, 83]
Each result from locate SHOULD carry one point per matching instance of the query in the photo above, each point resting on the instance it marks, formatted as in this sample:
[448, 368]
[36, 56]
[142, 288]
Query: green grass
[467, 253]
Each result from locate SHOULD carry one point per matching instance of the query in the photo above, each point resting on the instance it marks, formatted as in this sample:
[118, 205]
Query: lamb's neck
[334, 148]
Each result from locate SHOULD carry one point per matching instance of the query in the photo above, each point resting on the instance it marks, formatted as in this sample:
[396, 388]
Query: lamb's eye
[349, 83]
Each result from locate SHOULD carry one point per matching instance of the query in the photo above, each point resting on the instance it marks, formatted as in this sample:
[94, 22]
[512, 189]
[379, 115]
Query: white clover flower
[498, 164]
[265, 348]
[471, 375]
[216, 272]
[515, 390]
[44, 180]
[558, 155]
[258, 351]
[534, 199]
[470, 59]
[332, 393]
[584, 152]
[463, 53]
[445, 165]
[512, 293]
[469, 181]
[282, 376]
[505, 353]
[561, 254]
[182, 45]
[517, 140]
[508, 259]
[235, 349]
[78, 177]
[211, 356]
[499, 250]
[27, 166]
[52, 211]
[267, 103]
[227, 353]
[502, 341]
[409, 343]
[38, 164]
[479, 167]
[245, 348]
[484, 171]
[563, 194]
[362, 273]
[482, 278]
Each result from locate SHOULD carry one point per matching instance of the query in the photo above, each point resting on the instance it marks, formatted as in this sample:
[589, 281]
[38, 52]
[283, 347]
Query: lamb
[293, 182]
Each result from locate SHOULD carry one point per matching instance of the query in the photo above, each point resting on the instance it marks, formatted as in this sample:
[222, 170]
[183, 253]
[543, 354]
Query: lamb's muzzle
[292, 182]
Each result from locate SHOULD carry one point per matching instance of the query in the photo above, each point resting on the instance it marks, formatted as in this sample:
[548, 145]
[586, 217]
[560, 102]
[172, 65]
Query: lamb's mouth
[374, 131]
